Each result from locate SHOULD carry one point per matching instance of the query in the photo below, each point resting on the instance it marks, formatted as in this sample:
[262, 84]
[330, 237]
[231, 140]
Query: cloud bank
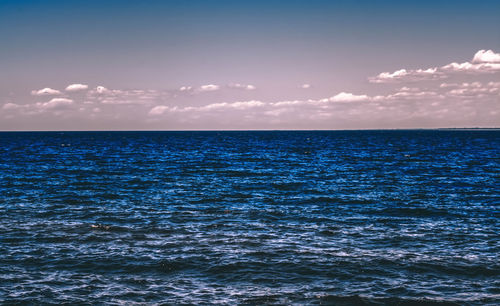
[466, 94]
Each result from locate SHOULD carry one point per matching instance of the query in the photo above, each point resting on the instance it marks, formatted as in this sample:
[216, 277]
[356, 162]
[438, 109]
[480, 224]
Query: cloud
[472, 68]
[408, 75]
[483, 56]
[45, 92]
[409, 94]
[242, 86]
[241, 105]
[158, 110]
[209, 87]
[482, 62]
[464, 97]
[10, 106]
[446, 85]
[102, 90]
[474, 90]
[291, 103]
[246, 104]
[214, 87]
[349, 97]
[398, 99]
[76, 87]
[104, 95]
[55, 103]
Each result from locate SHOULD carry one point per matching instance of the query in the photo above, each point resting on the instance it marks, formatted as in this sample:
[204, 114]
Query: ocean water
[305, 217]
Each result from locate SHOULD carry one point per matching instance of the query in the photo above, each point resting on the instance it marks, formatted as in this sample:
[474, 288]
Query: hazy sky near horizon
[177, 65]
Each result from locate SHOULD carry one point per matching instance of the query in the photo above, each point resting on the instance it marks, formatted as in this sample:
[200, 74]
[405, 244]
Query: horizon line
[257, 130]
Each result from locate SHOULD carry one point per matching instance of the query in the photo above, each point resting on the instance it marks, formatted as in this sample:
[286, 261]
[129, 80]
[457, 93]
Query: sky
[248, 65]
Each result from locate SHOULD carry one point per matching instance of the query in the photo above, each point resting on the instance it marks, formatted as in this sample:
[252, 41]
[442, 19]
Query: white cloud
[348, 97]
[461, 97]
[289, 103]
[405, 102]
[474, 90]
[209, 87]
[408, 75]
[394, 75]
[239, 105]
[158, 110]
[101, 90]
[120, 97]
[483, 62]
[242, 86]
[45, 92]
[472, 68]
[76, 87]
[234, 105]
[55, 103]
[246, 104]
[483, 56]
[213, 87]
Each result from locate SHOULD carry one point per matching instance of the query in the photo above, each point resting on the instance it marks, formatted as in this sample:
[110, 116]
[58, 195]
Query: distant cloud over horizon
[462, 103]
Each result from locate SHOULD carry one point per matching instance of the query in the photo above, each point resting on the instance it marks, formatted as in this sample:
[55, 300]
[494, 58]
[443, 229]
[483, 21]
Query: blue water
[320, 217]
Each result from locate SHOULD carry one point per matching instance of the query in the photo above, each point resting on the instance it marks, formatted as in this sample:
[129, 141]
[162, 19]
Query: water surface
[320, 217]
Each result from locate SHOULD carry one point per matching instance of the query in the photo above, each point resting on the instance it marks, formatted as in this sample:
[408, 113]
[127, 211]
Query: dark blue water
[340, 217]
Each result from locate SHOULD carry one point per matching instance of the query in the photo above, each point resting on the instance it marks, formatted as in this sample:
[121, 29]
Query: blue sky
[144, 52]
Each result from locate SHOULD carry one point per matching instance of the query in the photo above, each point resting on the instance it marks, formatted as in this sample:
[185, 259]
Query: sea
[379, 217]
